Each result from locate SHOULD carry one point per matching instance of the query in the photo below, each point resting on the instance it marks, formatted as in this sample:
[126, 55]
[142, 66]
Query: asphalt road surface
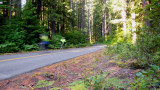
[15, 64]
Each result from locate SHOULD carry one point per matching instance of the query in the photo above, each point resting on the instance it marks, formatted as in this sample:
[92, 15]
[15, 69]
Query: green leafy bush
[148, 47]
[55, 43]
[75, 37]
[147, 80]
[31, 47]
[69, 45]
[146, 50]
[124, 51]
[17, 37]
[99, 82]
[117, 37]
[96, 82]
[8, 48]
[78, 85]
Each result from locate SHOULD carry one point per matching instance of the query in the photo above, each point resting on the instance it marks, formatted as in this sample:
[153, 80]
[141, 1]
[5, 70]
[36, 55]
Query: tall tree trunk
[102, 25]
[70, 7]
[145, 3]
[18, 8]
[123, 15]
[73, 6]
[10, 12]
[89, 22]
[105, 25]
[133, 23]
[53, 21]
[77, 14]
[42, 12]
[58, 27]
[38, 8]
[63, 19]
[83, 15]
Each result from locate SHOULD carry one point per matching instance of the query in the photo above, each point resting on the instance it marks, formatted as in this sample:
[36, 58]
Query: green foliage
[43, 83]
[98, 82]
[56, 42]
[31, 47]
[124, 51]
[116, 83]
[97, 21]
[75, 37]
[22, 30]
[145, 51]
[82, 45]
[78, 85]
[31, 23]
[17, 36]
[118, 37]
[148, 47]
[8, 48]
[147, 80]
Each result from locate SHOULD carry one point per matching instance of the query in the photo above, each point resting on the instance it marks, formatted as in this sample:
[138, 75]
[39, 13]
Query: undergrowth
[99, 82]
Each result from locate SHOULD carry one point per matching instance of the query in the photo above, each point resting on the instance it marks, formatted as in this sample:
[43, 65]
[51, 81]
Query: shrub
[99, 82]
[18, 37]
[82, 45]
[69, 45]
[148, 47]
[75, 37]
[8, 48]
[31, 47]
[56, 42]
[146, 50]
[147, 80]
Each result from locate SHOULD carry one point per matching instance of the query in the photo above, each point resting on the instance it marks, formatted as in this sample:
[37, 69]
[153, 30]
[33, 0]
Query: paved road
[12, 65]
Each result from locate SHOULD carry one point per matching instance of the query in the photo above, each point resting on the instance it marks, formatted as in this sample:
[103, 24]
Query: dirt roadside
[66, 72]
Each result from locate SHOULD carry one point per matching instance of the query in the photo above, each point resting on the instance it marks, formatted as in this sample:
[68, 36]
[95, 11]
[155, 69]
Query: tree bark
[63, 19]
[38, 8]
[89, 23]
[83, 15]
[42, 12]
[73, 6]
[53, 21]
[123, 15]
[77, 14]
[147, 22]
[18, 8]
[10, 12]
[105, 22]
[134, 36]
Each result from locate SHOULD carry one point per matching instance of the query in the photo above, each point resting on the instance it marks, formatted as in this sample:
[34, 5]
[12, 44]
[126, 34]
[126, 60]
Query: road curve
[12, 65]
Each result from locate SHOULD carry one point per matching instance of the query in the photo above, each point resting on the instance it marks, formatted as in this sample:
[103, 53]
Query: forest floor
[61, 74]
